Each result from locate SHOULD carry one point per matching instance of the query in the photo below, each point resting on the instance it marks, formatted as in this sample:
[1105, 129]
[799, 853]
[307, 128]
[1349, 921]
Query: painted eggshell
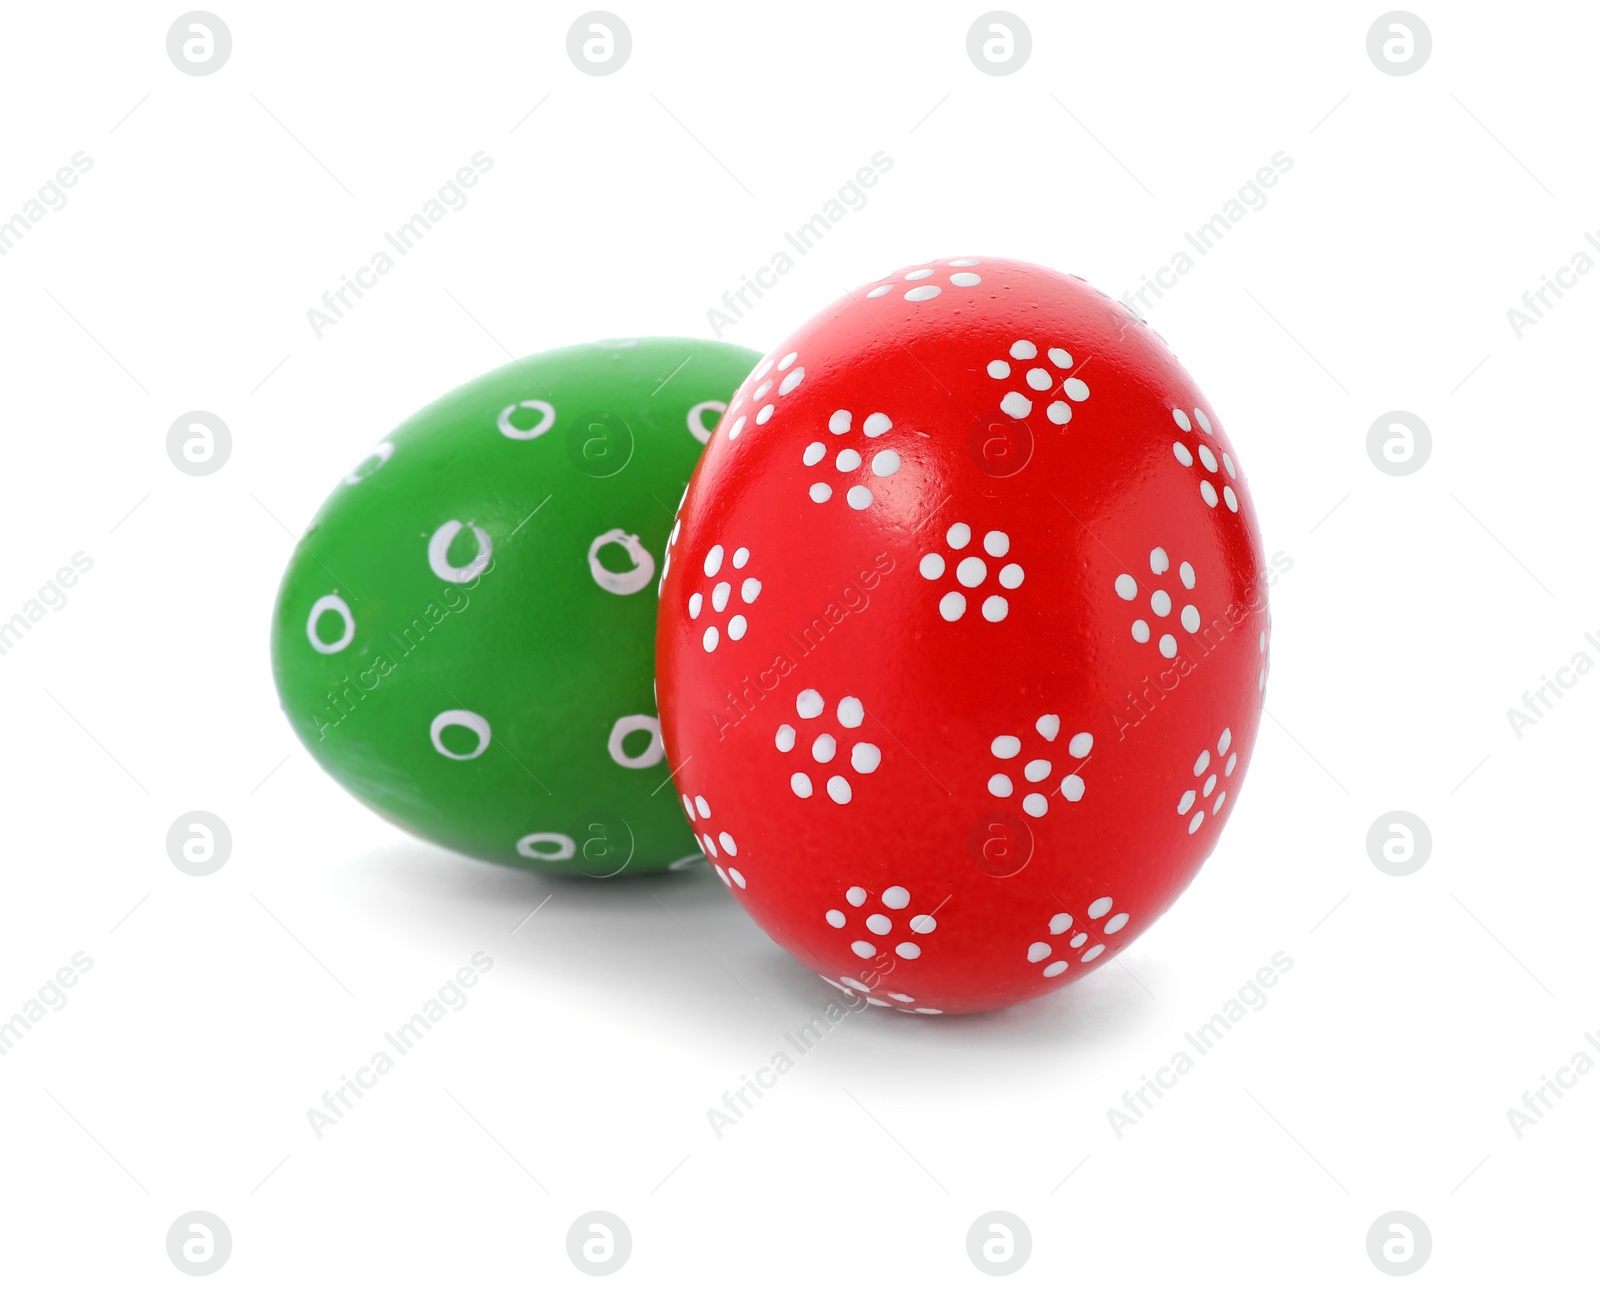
[963, 644]
[464, 637]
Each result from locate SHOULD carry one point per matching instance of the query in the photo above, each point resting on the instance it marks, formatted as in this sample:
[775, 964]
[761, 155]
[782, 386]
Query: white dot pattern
[716, 600]
[1050, 951]
[972, 572]
[1195, 801]
[1008, 747]
[884, 464]
[865, 757]
[881, 914]
[1161, 604]
[1061, 392]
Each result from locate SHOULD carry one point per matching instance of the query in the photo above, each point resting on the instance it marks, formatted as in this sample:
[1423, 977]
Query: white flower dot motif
[1030, 781]
[820, 743]
[927, 282]
[1214, 467]
[716, 842]
[852, 466]
[1057, 954]
[765, 388]
[1211, 773]
[719, 608]
[1037, 378]
[971, 571]
[892, 998]
[881, 924]
[1155, 616]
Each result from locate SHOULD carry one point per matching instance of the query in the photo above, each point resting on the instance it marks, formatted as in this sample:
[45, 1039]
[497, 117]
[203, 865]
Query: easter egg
[963, 642]
[465, 635]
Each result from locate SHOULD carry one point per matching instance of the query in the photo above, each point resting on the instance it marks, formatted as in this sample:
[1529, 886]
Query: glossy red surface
[916, 556]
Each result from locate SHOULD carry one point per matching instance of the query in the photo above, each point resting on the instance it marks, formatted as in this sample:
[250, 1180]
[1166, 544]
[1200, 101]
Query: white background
[1418, 609]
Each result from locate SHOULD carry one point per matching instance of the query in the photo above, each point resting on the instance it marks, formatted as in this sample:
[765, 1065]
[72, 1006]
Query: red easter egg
[963, 636]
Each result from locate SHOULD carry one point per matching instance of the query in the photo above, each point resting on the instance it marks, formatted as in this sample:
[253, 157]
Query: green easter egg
[465, 637]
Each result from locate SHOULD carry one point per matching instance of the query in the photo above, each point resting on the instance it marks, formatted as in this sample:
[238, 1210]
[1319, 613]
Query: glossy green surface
[465, 637]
